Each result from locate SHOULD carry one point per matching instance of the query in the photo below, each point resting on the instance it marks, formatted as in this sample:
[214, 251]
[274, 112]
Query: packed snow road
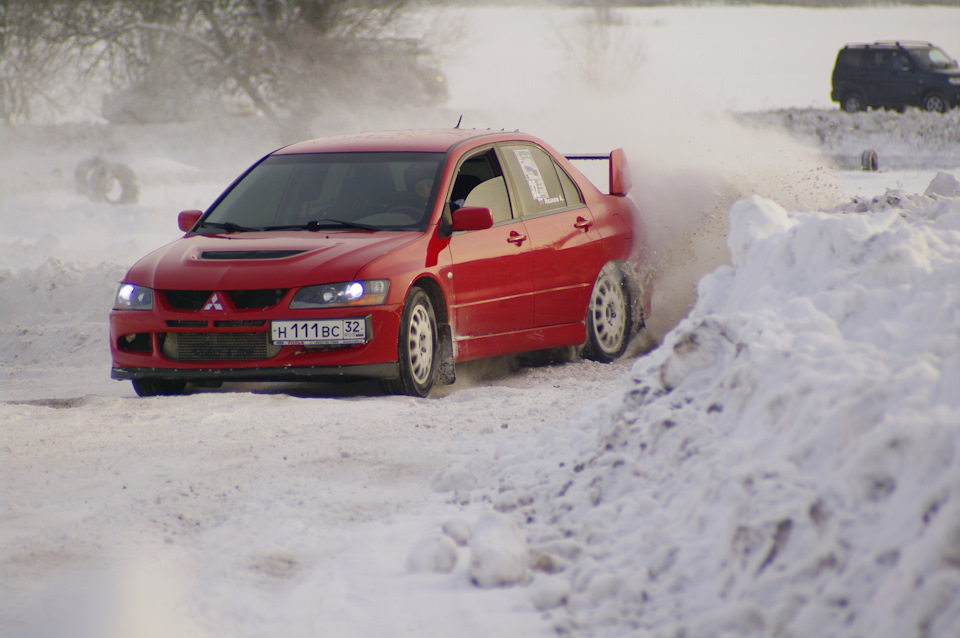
[255, 504]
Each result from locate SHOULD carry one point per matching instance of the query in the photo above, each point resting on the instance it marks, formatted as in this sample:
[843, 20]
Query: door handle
[516, 238]
[582, 223]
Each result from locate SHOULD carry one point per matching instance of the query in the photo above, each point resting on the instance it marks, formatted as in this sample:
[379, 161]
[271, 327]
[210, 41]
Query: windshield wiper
[324, 224]
[230, 227]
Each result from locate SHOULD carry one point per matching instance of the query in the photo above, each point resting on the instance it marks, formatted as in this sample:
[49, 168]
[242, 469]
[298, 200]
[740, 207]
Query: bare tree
[29, 57]
[285, 58]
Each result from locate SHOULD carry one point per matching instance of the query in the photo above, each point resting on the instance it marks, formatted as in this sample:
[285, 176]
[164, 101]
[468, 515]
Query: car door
[492, 277]
[904, 86]
[890, 79]
[564, 242]
[875, 76]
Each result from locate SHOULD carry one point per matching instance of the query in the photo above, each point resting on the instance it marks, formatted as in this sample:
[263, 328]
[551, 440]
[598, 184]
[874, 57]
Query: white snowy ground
[785, 463]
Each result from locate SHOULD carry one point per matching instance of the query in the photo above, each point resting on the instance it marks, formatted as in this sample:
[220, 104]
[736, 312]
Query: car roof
[889, 44]
[411, 140]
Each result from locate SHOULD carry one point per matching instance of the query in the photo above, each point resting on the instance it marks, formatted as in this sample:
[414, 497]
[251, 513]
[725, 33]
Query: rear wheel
[608, 316]
[934, 102]
[158, 387]
[417, 347]
[852, 103]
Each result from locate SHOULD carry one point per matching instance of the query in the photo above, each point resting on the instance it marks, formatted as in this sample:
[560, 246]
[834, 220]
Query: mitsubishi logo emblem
[213, 303]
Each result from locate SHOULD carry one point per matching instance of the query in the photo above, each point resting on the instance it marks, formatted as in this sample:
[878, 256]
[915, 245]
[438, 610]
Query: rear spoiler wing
[620, 181]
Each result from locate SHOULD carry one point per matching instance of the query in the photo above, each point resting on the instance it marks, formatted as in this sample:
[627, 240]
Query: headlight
[348, 293]
[133, 297]
[954, 81]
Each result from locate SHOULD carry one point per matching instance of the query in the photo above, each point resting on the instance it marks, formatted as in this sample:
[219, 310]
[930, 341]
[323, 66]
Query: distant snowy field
[786, 462]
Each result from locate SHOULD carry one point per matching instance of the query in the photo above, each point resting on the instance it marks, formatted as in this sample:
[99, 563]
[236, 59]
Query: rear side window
[850, 59]
[899, 62]
[541, 185]
[880, 59]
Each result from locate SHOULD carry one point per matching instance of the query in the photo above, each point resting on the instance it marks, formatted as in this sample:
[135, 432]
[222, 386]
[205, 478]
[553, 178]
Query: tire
[103, 181]
[158, 387]
[934, 102]
[852, 103]
[113, 183]
[608, 316]
[81, 174]
[417, 347]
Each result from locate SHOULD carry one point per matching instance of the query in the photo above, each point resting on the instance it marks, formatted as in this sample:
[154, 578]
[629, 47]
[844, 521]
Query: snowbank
[788, 462]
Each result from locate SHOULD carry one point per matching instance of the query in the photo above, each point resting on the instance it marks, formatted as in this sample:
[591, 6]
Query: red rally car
[390, 255]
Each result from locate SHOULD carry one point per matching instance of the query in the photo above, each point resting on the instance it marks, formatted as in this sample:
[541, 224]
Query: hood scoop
[249, 254]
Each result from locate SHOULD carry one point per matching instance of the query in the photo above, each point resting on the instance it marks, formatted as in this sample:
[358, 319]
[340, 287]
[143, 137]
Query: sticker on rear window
[538, 189]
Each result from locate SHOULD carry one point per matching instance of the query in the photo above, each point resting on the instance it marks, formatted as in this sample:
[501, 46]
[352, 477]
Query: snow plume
[688, 170]
[789, 459]
[690, 159]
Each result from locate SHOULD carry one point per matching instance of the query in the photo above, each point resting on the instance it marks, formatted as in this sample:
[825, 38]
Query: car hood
[251, 261]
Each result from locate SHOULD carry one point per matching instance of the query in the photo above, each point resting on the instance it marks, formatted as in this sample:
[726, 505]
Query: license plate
[318, 332]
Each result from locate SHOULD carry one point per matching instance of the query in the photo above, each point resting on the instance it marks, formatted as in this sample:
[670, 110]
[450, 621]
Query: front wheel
[608, 316]
[935, 102]
[416, 347]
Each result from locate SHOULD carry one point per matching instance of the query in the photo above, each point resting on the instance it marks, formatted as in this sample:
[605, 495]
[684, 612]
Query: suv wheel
[852, 102]
[934, 102]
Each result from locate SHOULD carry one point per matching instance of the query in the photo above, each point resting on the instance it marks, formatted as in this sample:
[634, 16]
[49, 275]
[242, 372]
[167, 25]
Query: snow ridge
[788, 461]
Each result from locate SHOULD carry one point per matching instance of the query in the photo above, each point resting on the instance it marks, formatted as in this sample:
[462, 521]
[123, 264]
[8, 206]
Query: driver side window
[480, 182]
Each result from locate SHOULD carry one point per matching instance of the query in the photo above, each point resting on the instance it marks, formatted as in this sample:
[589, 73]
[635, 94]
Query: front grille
[218, 346]
[250, 299]
[241, 299]
[173, 323]
[241, 323]
[187, 299]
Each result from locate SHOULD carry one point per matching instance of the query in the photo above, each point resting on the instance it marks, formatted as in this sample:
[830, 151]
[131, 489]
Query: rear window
[850, 58]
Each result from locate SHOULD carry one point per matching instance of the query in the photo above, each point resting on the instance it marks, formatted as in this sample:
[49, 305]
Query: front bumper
[306, 373]
[144, 344]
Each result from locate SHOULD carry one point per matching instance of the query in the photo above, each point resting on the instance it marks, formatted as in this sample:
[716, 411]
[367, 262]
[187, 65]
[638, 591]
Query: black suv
[895, 75]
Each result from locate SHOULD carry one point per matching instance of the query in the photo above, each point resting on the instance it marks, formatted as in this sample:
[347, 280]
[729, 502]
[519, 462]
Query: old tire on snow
[104, 181]
[608, 316]
[417, 347]
[114, 183]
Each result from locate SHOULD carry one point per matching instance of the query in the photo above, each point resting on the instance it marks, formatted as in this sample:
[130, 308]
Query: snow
[787, 460]
[780, 458]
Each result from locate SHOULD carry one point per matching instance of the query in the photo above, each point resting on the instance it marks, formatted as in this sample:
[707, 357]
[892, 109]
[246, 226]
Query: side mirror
[188, 219]
[620, 181]
[472, 218]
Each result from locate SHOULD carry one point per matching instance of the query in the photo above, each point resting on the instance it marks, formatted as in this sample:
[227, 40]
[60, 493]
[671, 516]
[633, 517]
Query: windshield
[331, 191]
[933, 59]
